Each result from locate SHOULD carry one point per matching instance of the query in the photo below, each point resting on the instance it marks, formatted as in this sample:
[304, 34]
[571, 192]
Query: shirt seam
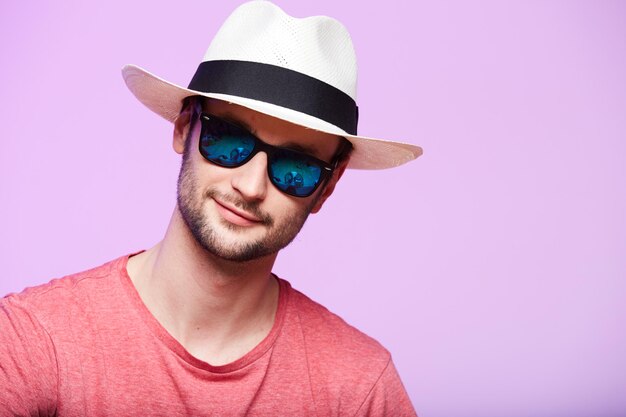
[76, 282]
[373, 386]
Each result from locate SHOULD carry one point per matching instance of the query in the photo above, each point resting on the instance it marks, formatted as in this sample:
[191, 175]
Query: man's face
[236, 213]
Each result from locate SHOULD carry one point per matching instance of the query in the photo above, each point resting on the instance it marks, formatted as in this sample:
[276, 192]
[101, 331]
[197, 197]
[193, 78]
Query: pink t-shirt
[86, 345]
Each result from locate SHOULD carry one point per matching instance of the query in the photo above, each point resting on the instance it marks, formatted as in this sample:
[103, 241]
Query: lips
[235, 215]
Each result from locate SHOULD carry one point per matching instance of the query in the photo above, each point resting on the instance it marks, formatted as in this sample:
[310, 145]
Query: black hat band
[280, 86]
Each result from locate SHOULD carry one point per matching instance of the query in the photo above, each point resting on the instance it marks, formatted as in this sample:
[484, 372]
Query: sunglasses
[230, 146]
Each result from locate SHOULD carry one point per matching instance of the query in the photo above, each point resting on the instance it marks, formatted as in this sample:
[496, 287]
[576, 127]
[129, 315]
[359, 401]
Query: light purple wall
[493, 268]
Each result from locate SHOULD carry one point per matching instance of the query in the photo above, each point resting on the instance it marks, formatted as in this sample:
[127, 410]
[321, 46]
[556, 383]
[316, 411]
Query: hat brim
[165, 99]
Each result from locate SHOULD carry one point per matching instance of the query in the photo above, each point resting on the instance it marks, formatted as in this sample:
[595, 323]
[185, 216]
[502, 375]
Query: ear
[181, 129]
[330, 186]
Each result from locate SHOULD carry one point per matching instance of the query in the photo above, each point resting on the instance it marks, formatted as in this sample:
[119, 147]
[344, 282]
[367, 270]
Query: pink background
[493, 268]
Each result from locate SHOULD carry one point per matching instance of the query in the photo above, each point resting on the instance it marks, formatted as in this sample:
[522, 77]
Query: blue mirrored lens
[226, 145]
[294, 173]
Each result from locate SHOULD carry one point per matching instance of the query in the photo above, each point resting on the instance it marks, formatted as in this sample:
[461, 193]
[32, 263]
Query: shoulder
[329, 332]
[39, 330]
[343, 361]
[62, 297]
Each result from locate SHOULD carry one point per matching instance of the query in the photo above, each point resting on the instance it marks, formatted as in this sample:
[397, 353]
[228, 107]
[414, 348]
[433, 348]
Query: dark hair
[344, 150]
[196, 102]
[196, 108]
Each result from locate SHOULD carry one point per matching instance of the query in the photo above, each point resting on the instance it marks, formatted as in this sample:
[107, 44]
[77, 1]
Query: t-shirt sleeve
[388, 397]
[28, 369]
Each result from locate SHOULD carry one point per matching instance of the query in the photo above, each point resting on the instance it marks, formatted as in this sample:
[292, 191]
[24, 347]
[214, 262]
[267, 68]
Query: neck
[208, 304]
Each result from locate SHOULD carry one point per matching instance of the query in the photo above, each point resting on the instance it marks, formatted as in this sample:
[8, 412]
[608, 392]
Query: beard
[278, 234]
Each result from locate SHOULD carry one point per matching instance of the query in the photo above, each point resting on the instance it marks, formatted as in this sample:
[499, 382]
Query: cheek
[194, 180]
[284, 207]
[207, 175]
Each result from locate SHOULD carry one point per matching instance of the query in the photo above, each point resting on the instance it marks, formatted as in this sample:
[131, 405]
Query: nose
[251, 179]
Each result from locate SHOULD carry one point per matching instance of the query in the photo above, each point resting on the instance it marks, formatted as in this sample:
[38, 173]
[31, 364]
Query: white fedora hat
[299, 70]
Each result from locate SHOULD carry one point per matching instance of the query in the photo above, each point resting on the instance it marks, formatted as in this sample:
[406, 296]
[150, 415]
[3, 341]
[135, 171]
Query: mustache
[250, 207]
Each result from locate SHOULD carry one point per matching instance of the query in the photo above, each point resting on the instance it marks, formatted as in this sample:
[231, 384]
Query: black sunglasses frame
[270, 150]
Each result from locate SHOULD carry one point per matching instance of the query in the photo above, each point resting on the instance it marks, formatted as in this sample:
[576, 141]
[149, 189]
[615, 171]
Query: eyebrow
[301, 148]
[229, 118]
[289, 145]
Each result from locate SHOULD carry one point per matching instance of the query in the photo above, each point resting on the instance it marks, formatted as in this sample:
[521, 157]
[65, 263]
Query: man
[198, 324]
